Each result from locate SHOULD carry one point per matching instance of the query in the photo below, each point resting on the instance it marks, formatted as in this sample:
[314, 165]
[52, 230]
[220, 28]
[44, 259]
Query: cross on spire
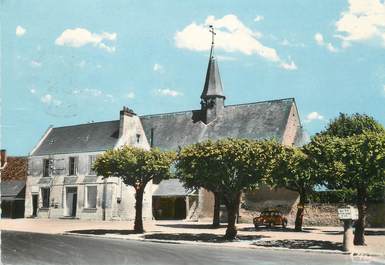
[212, 34]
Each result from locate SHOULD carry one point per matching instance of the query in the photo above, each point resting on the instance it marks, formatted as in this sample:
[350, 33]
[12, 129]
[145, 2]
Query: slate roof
[12, 188]
[90, 137]
[15, 169]
[259, 120]
[171, 187]
[213, 83]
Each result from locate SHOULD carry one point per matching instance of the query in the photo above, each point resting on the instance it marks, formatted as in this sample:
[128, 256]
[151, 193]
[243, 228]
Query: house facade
[61, 183]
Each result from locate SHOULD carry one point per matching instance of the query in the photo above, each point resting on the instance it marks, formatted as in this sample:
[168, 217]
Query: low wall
[317, 214]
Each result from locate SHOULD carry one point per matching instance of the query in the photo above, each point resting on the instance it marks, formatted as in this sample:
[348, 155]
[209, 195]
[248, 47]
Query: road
[30, 248]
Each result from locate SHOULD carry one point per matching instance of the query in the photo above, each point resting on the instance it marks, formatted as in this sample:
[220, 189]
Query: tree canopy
[355, 162]
[228, 166]
[295, 171]
[348, 125]
[136, 167]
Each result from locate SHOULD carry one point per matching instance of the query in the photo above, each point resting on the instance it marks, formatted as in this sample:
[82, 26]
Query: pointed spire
[213, 84]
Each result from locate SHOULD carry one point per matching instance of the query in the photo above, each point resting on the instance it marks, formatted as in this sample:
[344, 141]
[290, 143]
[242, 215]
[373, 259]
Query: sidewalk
[324, 239]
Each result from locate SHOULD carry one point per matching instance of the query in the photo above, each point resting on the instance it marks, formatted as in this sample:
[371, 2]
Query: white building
[61, 182]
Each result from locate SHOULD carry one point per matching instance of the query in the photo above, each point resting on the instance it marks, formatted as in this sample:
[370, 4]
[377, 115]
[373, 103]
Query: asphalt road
[40, 249]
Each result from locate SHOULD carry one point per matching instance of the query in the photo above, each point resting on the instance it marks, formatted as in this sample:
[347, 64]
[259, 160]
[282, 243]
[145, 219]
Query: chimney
[125, 115]
[3, 154]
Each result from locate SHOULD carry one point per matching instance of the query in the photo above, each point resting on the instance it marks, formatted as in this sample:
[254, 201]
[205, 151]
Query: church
[62, 184]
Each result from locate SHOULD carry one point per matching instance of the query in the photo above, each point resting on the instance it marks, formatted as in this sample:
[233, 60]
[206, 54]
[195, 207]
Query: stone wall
[317, 214]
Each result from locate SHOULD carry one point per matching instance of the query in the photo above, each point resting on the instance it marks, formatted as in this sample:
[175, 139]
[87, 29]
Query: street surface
[31, 248]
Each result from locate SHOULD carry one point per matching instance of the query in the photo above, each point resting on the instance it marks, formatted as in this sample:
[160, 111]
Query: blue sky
[71, 62]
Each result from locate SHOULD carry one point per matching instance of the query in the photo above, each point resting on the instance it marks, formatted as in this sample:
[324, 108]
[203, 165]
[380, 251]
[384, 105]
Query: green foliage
[333, 196]
[135, 166]
[353, 162]
[294, 171]
[375, 194]
[228, 165]
[348, 125]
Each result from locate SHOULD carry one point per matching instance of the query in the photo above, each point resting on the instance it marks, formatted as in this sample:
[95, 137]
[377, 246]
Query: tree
[346, 126]
[355, 162]
[294, 170]
[136, 167]
[201, 180]
[230, 166]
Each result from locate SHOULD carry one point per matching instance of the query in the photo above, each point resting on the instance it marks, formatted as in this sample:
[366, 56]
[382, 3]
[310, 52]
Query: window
[45, 197]
[91, 160]
[91, 196]
[138, 138]
[72, 166]
[46, 168]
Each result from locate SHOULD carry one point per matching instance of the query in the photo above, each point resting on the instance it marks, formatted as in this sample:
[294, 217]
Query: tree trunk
[138, 226]
[232, 205]
[217, 208]
[359, 231]
[300, 212]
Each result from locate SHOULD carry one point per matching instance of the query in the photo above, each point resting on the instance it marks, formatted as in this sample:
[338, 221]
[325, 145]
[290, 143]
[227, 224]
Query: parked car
[269, 218]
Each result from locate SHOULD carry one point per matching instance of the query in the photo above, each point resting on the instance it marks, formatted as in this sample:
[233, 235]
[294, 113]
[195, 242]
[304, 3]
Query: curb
[217, 245]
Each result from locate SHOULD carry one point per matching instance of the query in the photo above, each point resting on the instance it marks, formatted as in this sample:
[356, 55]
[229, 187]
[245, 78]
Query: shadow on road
[367, 232]
[275, 229]
[375, 232]
[103, 232]
[203, 237]
[300, 244]
[192, 226]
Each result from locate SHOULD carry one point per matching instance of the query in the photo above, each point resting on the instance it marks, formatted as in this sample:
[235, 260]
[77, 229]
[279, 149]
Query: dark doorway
[71, 201]
[169, 208]
[35, 198]
[74, 203]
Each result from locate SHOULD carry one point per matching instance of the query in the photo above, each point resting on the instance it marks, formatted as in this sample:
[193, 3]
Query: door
[35, 198]
[71, 201]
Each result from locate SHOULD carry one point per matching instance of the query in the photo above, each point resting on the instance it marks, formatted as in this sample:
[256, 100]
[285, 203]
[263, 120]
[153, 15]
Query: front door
[71, 201]
[35, 198]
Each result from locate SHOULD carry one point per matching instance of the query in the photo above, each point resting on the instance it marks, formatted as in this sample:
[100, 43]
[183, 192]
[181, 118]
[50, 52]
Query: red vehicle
[269, 218]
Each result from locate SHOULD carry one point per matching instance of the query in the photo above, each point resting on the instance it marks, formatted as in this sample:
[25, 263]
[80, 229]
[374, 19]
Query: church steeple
[212, 97]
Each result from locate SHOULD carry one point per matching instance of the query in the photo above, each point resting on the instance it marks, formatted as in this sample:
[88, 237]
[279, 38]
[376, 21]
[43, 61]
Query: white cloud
[319, 39]
[88, 92]
[169, 92]
[50, 100]
[364, 20]
[158, 68]
[259, 18]
[32, 90]
[312, 116]
[130, 95]
[289, 66]
[79, 37]
[35, 63]
[82, 64]
[225, 58]
[92, 92]
[47, 98]
[286, 42]
[20, 31]
[232, 36]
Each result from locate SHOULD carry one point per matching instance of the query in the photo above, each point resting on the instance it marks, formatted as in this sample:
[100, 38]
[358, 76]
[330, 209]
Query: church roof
[90, 137]
[213, 83]
[171, 187]
[259, 120]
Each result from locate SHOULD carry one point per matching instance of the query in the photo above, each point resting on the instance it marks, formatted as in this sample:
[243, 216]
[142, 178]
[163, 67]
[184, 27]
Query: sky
[72, 62]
